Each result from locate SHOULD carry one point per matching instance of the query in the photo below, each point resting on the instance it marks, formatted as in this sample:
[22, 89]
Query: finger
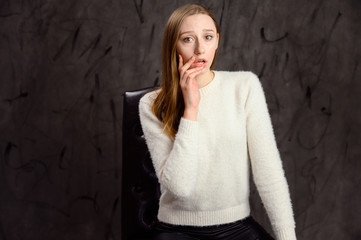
[187, 65]
[192, 70]
[191, 75]
[187, 73]
[180, 65]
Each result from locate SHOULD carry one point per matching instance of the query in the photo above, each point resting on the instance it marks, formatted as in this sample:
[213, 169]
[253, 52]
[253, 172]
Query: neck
[204, 79]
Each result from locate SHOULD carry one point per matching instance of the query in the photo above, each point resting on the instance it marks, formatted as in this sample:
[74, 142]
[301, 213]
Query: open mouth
[200, 62]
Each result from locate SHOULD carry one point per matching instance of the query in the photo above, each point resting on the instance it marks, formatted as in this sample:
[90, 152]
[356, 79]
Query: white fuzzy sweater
[204, 172]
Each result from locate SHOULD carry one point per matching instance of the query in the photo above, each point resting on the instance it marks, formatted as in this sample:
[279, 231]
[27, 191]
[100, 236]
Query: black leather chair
[140, 187]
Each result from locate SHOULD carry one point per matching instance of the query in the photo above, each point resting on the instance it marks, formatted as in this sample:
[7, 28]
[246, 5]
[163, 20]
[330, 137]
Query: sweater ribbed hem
[188, 127]
[287, 233]
[203, 218]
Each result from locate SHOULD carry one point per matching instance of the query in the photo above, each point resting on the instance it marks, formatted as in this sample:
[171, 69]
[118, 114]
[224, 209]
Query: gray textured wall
[65, 64]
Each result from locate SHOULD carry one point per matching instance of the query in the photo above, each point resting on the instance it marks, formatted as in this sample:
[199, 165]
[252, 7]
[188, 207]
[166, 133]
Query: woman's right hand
[189, 87]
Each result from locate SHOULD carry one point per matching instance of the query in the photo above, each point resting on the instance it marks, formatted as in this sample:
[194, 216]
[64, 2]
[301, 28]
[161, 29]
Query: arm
[175, 162]
[266, 163]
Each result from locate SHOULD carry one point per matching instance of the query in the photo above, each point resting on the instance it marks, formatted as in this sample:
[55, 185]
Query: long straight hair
[168, 106]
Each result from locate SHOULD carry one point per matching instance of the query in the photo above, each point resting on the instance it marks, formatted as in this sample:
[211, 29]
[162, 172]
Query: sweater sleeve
[266, 164]
[175, 161]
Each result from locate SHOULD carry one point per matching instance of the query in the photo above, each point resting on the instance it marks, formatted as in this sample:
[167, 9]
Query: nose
[199, 48]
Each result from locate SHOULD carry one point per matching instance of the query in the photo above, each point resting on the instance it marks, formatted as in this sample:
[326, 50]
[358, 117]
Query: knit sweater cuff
[188, 127]
[287, 233]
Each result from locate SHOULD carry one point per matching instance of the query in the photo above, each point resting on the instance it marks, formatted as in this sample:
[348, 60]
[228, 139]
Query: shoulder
[149, 97]
[237, 77]
[146, 115]
[146, 104]
[241, 81]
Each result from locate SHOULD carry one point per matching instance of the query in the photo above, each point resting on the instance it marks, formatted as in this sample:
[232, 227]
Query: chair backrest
[140, 187]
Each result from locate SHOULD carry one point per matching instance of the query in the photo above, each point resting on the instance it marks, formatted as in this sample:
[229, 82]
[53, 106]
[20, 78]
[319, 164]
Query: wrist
[190, 114]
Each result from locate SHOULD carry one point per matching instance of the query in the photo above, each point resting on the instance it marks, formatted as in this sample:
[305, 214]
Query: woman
[199, 127]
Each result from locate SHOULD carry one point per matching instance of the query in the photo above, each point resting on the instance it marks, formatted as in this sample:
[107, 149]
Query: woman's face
[199, 38]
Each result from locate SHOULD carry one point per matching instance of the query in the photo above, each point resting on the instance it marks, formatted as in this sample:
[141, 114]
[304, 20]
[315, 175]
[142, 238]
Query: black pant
[245, 229]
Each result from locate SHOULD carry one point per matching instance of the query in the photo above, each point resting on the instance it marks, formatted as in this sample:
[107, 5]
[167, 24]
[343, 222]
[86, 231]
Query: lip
[201, 62]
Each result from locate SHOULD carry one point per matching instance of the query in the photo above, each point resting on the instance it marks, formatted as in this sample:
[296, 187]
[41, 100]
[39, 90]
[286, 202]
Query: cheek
[212, 49]
[185, 53]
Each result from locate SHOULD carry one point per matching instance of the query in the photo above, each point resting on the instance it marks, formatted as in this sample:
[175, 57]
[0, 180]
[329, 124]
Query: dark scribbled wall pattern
[65, 64]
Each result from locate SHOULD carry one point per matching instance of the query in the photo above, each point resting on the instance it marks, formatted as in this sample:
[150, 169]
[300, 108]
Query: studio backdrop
[65, 64]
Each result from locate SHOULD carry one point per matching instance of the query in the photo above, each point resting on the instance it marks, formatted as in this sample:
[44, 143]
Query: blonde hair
[169, 104]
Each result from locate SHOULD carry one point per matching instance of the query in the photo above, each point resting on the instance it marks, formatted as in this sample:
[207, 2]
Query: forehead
[197, 22]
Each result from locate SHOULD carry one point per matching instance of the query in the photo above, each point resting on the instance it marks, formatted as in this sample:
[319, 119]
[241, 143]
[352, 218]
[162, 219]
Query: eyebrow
[204, 30]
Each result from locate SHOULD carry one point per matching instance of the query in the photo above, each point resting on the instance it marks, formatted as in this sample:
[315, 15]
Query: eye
[209, 37]
[187, 39]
